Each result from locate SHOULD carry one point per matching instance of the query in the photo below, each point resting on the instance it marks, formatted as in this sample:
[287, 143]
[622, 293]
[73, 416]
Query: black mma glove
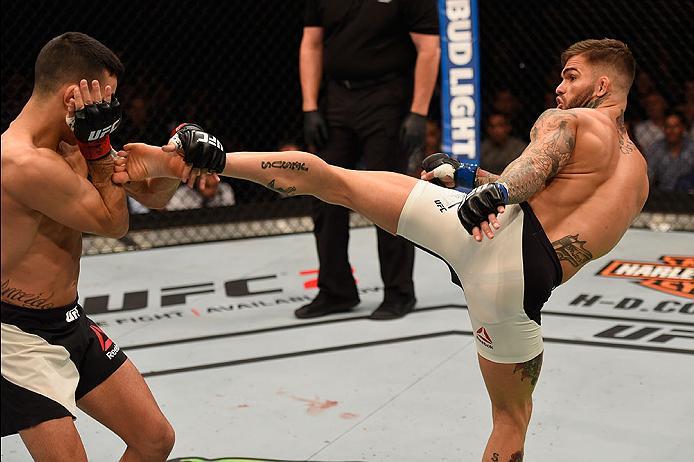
[93, 125]
[315, 129]
[199, 148]
[480, 203]
[413, 131]
[463, 173]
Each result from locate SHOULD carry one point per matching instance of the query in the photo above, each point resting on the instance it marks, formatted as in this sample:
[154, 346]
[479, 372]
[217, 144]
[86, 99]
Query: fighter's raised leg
[379, 196]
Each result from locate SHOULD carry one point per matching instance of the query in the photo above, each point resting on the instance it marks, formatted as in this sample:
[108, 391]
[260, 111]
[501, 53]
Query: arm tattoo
[484, 177]
[570, 248]
[553, 138]
[281, 164]
[277, 189]
[530, 369]
[626, 146]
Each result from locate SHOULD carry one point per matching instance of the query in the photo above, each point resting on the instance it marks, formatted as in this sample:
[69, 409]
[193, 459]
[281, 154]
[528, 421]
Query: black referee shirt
[366, 39]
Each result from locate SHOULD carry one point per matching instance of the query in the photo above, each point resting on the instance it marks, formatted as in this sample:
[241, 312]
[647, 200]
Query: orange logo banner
[673, 274]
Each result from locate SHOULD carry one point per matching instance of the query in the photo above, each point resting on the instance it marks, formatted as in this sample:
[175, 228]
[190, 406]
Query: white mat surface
[238, 376]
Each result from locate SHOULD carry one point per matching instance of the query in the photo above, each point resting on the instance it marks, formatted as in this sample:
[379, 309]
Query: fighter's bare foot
[139, 161]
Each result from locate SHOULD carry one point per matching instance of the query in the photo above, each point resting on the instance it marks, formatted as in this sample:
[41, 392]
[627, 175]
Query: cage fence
[232, 66]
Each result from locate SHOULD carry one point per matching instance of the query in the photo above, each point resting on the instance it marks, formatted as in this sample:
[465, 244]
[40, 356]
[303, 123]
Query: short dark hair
[610, 52]
[70, 57]
[498, 114]
[680, 115]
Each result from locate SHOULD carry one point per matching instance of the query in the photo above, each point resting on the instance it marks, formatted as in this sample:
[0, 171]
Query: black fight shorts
[50, 359]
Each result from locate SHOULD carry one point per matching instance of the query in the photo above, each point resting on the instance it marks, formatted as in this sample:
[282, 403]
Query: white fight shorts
[506, 279]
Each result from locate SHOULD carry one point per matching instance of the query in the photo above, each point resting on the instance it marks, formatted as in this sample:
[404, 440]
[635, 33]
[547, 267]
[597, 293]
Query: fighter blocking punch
[93, 124]
[54, 358]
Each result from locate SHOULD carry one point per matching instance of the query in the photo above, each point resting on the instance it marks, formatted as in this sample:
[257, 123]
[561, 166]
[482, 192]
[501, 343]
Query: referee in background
[378, 61]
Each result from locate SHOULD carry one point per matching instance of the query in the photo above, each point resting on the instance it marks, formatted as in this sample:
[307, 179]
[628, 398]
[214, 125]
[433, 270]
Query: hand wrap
[442, 165]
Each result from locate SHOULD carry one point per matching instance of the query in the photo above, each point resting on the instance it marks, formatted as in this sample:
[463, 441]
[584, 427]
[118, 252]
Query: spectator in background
[138, 126]
[687, 108]
[651, 130]
[672, 157]
[16, 91]
[550, 99]
[288, 145]
[432, 145]
[643, 86]
[685, 183]
[212, 193]
[499, 148]
[506, 103]
[380, 60]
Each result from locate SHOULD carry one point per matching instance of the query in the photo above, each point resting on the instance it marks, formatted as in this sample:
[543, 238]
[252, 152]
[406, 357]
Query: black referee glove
[413, 131]
[315, 129]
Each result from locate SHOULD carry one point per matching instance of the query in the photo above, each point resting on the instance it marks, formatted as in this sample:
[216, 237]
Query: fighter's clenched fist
[200, 149]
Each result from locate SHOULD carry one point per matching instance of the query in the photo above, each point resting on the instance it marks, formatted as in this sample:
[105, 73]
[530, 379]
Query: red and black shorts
[50, 359]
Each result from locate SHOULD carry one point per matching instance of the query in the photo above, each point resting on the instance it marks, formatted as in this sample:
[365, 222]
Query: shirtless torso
[590, 203]
[48, 202]
[40, 257]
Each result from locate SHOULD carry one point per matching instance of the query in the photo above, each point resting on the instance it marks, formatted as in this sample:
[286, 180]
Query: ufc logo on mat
[98, 134]
[206, 138]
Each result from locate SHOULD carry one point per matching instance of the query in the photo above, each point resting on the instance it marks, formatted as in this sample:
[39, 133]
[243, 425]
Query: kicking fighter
[566, 200]
[55, 359]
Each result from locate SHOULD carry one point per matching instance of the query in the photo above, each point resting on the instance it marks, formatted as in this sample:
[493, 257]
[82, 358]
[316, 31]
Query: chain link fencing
[232, 66]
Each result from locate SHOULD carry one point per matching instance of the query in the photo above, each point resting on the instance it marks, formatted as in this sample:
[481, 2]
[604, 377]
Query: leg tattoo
[515, 457]
[530, 370]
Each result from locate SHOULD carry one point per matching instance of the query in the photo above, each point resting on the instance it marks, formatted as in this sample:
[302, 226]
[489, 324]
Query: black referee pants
[363, 129]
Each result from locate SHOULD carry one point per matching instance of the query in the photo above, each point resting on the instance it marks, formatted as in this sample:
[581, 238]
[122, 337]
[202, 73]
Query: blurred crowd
[661, 125]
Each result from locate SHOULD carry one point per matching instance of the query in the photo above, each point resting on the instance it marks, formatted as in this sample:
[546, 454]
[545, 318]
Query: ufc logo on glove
[98, 134]
[209, 139]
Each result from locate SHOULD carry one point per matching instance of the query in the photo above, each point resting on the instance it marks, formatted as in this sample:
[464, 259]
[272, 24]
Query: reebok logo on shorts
[72, 315]
[105, 342]
[483, 336]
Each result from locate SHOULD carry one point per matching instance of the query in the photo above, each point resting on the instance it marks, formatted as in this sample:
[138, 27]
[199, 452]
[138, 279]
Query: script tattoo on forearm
[25, 299]
[277, 189]
[553, 138]
[571, 249]
[626, 146]
[284, 165]
[530, 369]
